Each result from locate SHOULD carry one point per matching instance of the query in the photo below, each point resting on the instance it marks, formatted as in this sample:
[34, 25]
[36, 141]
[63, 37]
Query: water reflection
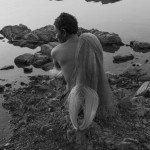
[111, 49]
[104, 1]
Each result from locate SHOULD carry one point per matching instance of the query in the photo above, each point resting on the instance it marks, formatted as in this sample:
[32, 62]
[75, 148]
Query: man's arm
[54, 55]
[56, 64]
[57, 68]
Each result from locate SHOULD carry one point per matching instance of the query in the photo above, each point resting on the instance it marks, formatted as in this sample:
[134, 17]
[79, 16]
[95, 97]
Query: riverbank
[39, 119]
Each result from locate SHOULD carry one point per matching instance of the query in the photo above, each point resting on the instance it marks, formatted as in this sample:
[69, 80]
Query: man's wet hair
[66, 22]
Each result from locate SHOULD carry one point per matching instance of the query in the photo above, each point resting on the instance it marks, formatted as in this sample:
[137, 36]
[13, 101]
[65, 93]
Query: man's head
[65, 25]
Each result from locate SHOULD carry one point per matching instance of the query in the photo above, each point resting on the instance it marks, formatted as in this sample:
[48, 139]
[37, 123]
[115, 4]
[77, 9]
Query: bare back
[64, 55]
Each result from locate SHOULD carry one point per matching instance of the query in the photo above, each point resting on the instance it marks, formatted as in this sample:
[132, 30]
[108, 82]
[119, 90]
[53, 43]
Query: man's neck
[72, 37]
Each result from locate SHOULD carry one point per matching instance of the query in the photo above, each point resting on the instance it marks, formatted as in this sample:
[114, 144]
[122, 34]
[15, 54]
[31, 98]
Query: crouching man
[80, 59]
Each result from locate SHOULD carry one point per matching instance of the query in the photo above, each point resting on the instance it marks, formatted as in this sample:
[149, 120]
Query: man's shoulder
[57, 49]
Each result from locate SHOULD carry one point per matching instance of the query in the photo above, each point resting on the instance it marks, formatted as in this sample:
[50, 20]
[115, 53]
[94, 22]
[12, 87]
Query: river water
[128, 18]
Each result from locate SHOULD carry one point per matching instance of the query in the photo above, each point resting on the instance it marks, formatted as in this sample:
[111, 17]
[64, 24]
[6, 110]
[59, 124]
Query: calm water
[128, 18]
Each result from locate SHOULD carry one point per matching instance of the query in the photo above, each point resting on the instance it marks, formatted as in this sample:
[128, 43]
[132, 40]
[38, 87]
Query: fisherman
[80, 59]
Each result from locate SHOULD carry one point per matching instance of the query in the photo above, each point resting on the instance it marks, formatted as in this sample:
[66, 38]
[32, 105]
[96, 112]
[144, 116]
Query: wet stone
[120, 58]
[2, 88]
[8, 85]
[144, 90]
[7, 67]
[28, 70]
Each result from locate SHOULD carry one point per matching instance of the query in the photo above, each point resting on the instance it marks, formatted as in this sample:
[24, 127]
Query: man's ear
[64, 32]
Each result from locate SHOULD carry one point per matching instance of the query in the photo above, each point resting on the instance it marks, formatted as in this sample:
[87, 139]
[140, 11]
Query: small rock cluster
[21, 35]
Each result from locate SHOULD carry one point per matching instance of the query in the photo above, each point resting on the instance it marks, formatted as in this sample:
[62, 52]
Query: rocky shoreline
[21, 35]
[39, 119]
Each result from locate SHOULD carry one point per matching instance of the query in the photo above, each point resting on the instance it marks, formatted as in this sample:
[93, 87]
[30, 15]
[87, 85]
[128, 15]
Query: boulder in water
[122, 58]
[27, 69]
[7, 67]
[2, 88]
[24, 60]
[136, 45]
[15, 32]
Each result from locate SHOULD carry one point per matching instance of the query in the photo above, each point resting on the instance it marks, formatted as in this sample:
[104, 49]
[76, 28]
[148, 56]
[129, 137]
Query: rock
[8, 146]
[133, 70]
[119, 93]
[127, 146]
[46, 33]
[27, 70]
[141, 111]
[15, 32]
[23, 84]
[47, 66]
[120, 58]
[147, 146]
[25, 43]
[146, 61]
[11, 106]
[2, 147]
[139, 45]
[46, 49]
[8, 85]
[40, 56]
[144, 78]
[24, 37]
[82, 30]
[111, 49]
[7, 67]
[110, 39]
[2, 88]
[136, 64]
[107, 38]
[1, 38]
[71, 134]
[24, 60]
[137, 101]
[40, 60]
[110, 75]
[31, 37]
[44, 129]
[144, 90]
[144, 121]
[38, 63]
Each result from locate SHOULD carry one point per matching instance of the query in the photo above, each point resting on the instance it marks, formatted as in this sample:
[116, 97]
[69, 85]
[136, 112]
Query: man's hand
[55, 73]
